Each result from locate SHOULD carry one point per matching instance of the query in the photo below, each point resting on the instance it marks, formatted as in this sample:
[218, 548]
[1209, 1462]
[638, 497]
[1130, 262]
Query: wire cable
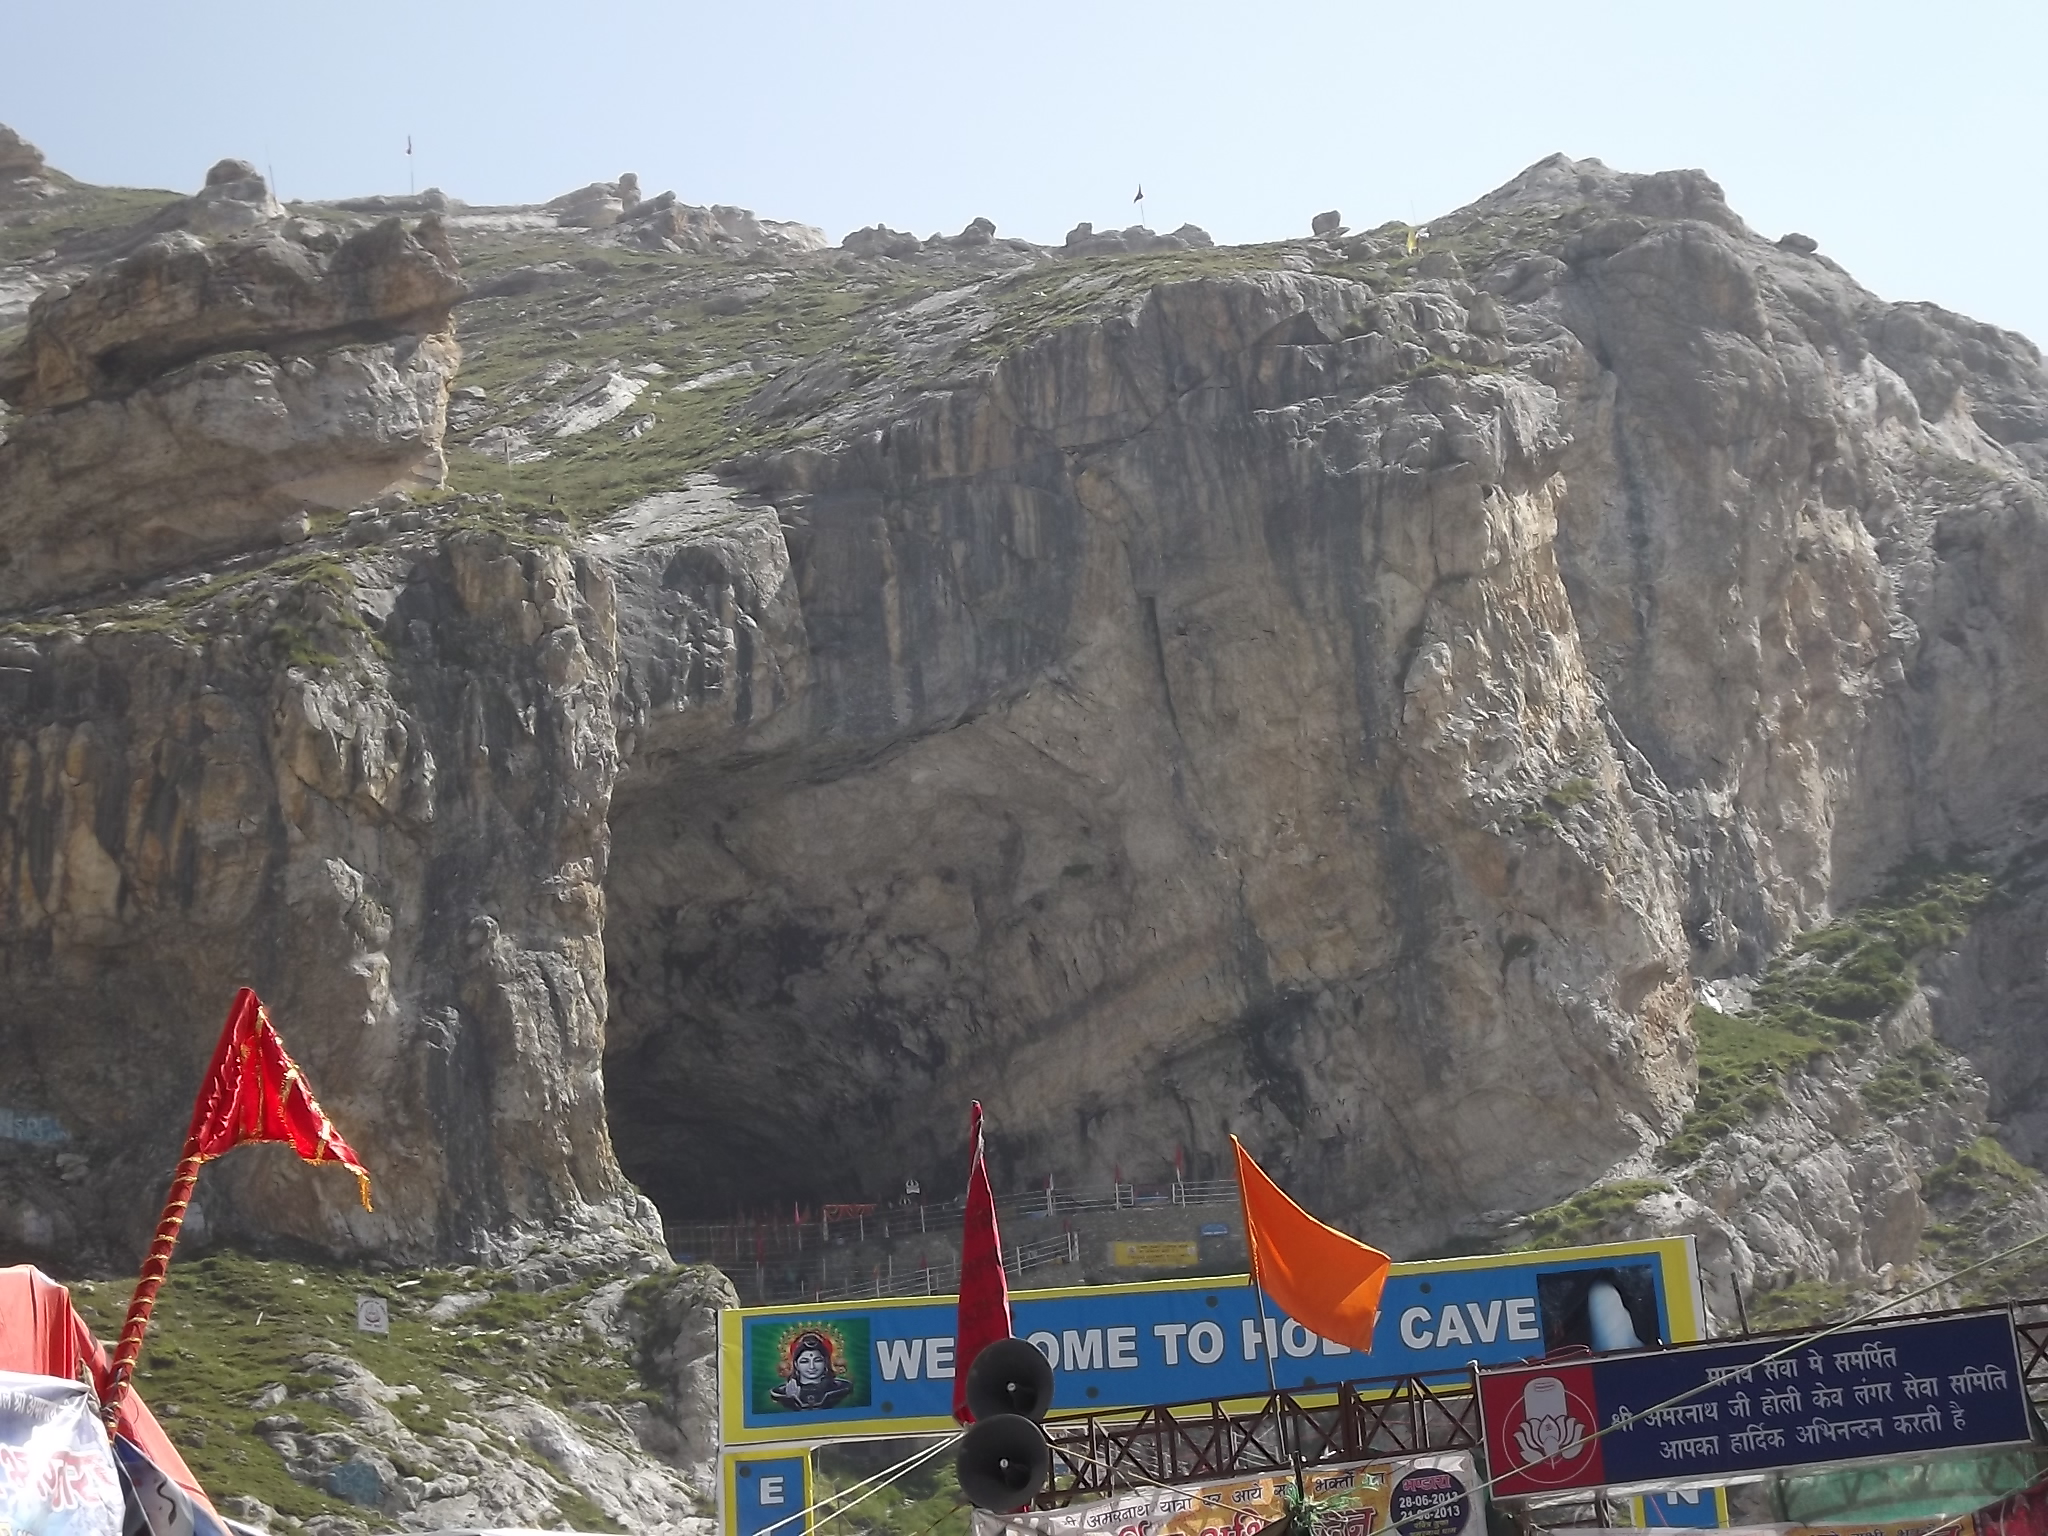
[882, 1478]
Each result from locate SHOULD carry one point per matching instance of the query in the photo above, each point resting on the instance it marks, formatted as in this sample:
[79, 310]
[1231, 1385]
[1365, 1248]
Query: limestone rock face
[1348, 702]
[403, 856]
[189, 400]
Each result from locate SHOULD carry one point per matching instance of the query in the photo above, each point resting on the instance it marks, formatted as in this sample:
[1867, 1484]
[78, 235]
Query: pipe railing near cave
[794, 1257]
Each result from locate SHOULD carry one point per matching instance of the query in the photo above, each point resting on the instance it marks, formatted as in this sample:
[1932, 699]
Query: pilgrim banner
[57, 1474]
[1423, 1495]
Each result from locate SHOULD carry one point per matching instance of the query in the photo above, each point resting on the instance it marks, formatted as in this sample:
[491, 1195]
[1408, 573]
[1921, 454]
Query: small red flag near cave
[984, 1314]
[253, 1091]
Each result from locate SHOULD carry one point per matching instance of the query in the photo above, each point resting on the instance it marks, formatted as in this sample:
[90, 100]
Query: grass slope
[228, 1325]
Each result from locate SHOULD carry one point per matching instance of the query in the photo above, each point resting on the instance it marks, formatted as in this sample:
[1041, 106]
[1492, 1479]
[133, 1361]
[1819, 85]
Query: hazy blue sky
[1909, 139]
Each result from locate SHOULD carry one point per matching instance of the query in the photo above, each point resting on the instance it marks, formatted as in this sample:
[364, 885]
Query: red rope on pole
[176, 1199]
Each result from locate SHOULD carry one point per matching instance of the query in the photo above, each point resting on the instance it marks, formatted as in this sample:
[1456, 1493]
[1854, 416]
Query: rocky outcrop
[1349, 701]
[1356, 720]
[23, 174]
[400, 843]
[193, 400]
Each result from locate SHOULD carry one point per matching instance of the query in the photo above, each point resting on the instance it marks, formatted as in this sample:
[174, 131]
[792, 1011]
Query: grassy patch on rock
[228, 1326]
[1915, 1076]
[1802, 1304]
[1593, 1215]
[1742, 1065]
[1983, 1200]
[1823, 993]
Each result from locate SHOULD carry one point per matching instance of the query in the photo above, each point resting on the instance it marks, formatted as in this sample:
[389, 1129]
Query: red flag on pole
[984, 1314]
[252, 1091]
[255, 1092]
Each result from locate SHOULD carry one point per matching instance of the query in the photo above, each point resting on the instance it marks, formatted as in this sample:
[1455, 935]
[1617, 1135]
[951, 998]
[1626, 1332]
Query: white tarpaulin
[57, 1474]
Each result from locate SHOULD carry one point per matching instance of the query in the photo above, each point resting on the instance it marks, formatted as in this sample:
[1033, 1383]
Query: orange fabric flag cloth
[1325, 1280]
[253, 1091]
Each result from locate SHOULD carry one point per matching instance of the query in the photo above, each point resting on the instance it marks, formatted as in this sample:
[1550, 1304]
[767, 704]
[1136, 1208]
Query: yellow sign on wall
[1176, 1255]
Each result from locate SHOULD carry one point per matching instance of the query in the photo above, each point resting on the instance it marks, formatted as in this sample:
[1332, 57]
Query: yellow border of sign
[1675, 1256]
[729, 1486]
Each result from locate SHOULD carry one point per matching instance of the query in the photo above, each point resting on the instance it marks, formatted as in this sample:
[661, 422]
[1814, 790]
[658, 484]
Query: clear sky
[1911, 140]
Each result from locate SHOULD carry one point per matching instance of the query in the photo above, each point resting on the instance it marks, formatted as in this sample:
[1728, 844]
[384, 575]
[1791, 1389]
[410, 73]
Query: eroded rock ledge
[193, 400]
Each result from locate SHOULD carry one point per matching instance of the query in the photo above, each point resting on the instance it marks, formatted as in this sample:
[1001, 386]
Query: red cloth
[984, 1313]
[253, 1091]
[41, 1335]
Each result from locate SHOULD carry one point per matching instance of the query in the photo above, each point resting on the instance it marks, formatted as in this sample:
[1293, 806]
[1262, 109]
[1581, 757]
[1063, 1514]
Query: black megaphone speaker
[1009, 1376]
[1003, 1462]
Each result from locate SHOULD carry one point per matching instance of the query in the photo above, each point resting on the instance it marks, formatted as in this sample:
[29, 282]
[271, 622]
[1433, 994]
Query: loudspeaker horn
[1003, 1462]
[1009, 1376]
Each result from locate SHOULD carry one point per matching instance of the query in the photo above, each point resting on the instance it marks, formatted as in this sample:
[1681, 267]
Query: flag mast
[1266, 1337]
[253, 1091]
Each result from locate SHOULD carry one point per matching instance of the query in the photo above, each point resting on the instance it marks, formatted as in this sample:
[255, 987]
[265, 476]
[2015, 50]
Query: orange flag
[1325, 1280]
[253, 1091]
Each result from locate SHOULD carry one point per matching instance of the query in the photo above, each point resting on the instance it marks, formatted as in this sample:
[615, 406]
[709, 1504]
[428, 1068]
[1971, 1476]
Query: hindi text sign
[1888, 1390]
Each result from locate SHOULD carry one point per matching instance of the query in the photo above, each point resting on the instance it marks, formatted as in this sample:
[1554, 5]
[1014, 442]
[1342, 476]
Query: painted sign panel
[1888, 1390]
[1158, 1255]
[762, 1492]
[806, 1375]
[1425, 1495]
[1699, 1509]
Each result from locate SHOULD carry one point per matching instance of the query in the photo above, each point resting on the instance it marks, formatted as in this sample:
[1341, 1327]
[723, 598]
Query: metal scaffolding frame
[1094, 1454]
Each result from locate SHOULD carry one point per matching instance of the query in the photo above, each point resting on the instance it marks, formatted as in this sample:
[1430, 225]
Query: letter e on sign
[774, 1490]
[373, 1315]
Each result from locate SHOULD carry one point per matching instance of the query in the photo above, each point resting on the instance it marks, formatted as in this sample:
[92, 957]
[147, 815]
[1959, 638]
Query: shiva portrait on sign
[814, 1379]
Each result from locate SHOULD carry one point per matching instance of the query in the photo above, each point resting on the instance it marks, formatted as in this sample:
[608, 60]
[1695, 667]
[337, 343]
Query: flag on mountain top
[1141, 193]
[984, 1314]
[1326, 1280]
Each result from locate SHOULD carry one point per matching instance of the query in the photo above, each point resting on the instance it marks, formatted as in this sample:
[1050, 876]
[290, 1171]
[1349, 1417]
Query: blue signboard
[765, 1491]
[1889, 1390]
[1700, 1509]
[810, 1374]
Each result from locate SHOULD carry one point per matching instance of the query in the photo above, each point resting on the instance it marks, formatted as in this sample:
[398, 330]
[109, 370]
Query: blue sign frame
[886, 1367]
[764, 1490]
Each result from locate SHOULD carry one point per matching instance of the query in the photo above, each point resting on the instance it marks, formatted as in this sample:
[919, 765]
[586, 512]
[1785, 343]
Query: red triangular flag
[253, 1091]
[984, 1314]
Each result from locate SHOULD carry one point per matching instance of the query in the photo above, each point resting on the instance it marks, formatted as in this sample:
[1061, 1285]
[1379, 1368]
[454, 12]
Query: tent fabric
[43, 1335]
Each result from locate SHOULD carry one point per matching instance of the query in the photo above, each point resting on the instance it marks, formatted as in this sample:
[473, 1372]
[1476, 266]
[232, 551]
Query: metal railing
[1019, 1259]
[1094, 1454]
[759, 1240]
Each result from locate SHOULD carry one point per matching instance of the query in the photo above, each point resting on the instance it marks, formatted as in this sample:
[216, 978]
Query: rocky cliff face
[1348, 697]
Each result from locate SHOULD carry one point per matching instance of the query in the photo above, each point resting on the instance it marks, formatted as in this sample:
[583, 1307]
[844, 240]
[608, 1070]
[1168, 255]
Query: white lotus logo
[1549, 1430]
